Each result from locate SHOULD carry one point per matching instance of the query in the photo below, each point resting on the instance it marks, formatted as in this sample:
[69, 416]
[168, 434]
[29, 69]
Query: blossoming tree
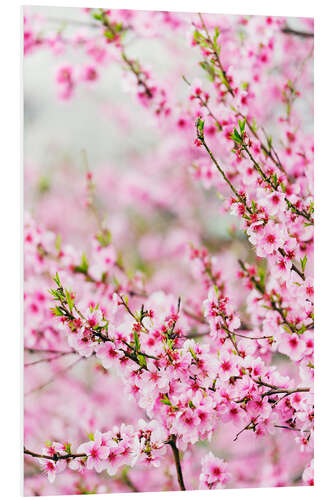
[160, 354]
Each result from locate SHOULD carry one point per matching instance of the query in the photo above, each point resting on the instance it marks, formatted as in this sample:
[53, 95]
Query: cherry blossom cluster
[191, 354]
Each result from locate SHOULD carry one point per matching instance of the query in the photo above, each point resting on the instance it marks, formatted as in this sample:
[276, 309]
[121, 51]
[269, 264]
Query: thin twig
[250, 425]
[60, 372]
[204, 103]
[217, 58]
[34, 350]
[55, 457]
[47, 360]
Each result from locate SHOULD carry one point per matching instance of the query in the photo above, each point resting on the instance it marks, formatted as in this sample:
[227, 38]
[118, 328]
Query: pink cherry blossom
[96, 452]
[214, 472]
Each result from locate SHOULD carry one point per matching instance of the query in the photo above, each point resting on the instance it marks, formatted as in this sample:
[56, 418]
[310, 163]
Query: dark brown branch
[250, 425]
[290, 31]
[268, 152]
[138, 75]
[55, 457]
[123, 302]
[275, 307]
[290, 205]
[175, 451]
[201, 137]
[293, 267]
[136, 72]
[291, 428]
[279, 390]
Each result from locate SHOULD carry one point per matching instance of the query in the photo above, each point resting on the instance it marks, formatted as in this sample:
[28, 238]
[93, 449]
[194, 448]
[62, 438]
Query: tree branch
[55, 457]
[175, 451]
[290, 31]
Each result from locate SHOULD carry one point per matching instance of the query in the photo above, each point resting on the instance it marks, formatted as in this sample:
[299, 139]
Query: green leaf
[165, 400]
[56, 294]
[56, 311]
[200, 125]
[303, 262]
[97, 16]
[142, 360]
[209, 68]
[136, 341]
[118, 27]
[193, 354]
[108, 34]
[83, 267]
[57, 280]
[69, 300]
[58, 242]
[84, 263]
[301, 330]
[68, 447]
[236, 137]
[196, 35]
[199, 38]
[104, 237]
[242, 126]
[91, 436]
[169, 342]
[216, 35]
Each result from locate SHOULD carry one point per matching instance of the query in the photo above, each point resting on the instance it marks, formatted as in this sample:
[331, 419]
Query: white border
[11, 255]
